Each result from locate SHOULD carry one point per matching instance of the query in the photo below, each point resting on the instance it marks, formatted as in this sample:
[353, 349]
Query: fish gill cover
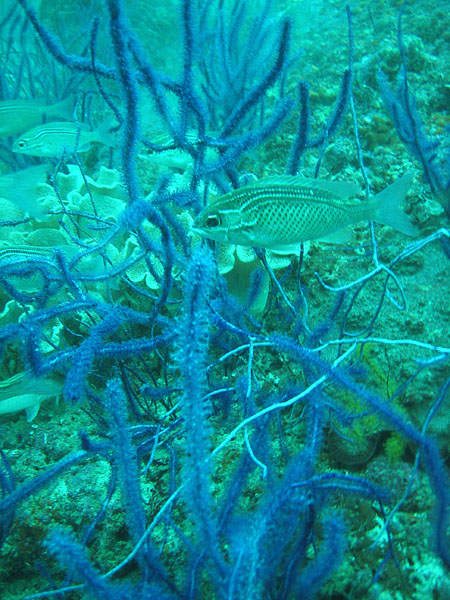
[234, 422]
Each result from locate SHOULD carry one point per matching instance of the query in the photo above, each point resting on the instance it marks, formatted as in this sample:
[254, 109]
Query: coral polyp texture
[224, 300]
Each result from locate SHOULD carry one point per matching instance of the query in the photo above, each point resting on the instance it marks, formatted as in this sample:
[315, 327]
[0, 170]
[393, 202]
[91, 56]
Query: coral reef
[230, 422]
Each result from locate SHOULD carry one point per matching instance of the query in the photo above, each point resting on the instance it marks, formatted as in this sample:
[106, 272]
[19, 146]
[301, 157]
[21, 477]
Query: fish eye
[21, 143]
[213, 221]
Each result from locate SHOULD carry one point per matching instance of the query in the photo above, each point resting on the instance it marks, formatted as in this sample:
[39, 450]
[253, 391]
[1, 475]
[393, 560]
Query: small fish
[174, 158]
[281, 212]
[13, 256]
[57, 138]
[24, 392]
[19, 187]
[20, 115]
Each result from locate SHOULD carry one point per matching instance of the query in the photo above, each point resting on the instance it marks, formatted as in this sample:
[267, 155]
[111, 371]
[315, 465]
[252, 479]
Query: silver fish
[13, 255]
[23, 392]
[19, 187]
[19, 115]
[10, 254]
[91, 264]
[281, 212]
[53, 139]
[174, 158]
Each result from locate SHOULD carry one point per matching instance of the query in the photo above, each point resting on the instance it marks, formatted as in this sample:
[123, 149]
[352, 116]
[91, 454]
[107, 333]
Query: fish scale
[281, 212]
[292, 216]
[286, 213]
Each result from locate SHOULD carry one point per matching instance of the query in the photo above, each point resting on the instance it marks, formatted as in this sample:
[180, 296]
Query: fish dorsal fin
[342, 189]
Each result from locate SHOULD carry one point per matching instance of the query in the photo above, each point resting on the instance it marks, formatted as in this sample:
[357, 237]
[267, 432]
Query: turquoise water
[207, 421]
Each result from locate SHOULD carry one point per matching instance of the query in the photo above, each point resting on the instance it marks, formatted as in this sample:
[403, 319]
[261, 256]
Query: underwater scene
[224, 299]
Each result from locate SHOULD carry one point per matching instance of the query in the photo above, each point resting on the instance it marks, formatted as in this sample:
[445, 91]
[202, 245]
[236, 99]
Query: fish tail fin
[62, 109]
[387, 205]
[19, 187]
[102, 133]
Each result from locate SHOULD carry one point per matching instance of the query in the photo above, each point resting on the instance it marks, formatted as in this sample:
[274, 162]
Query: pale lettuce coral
[238, 263]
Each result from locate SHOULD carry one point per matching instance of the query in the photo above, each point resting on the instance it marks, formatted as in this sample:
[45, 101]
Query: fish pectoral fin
[337, 237]
[32, 411]
[289, 250]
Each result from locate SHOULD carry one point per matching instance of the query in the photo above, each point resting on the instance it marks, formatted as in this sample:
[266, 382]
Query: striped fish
[91, 264]
[15, 254]
[174, 158]
[57, 138]
[19, 187]
[279, 213]
[19, 115]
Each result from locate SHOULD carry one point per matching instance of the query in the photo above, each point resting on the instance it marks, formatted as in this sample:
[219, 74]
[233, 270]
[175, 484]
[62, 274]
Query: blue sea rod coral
[209, 390]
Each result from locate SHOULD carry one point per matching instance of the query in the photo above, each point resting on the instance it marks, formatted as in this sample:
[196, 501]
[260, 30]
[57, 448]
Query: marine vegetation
[224, 301]
[402, 106]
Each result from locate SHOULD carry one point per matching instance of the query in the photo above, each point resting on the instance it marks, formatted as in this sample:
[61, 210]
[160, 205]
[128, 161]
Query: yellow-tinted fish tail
[61, 110]
[102, 134]
[387, 205]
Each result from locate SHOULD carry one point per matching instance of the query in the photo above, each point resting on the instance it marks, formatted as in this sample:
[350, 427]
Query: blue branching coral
[211, 395]
[402, 108]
